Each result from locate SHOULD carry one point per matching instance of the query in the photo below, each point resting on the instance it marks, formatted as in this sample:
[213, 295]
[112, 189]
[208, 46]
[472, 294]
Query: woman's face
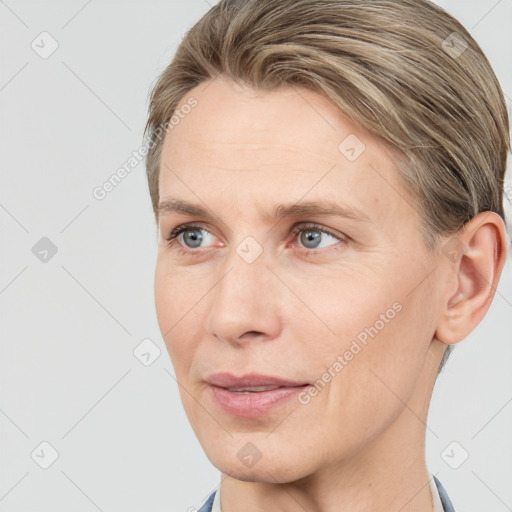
[342, 306]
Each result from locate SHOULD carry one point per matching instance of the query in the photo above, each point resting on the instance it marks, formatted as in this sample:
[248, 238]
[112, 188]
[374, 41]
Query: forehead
[252, 121]
[279, 146]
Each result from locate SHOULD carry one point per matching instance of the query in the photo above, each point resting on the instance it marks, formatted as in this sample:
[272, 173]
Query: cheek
[384, 352]
[356, 304]
[163, 303]
[378, 340]
[174, 304]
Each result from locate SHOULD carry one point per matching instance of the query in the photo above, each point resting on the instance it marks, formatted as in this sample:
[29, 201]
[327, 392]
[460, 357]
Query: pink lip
[251, 405]
[227, 380]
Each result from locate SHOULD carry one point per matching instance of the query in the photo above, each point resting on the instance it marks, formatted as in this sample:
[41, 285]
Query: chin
[262, 473]
[271, 464]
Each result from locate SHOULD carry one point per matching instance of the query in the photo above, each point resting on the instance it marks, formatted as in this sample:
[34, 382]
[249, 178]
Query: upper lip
[227, 380]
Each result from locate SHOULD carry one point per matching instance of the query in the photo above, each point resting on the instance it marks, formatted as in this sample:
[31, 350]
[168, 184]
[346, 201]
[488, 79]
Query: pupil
[193, 237]
[311, 236]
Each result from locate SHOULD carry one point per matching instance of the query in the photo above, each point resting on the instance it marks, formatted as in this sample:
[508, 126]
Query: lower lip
[252, 405]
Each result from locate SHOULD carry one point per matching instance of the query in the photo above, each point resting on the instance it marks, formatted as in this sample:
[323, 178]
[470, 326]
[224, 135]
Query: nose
[246, 303]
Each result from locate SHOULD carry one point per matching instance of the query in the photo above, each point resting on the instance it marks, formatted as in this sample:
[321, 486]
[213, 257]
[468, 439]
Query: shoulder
[208, 504]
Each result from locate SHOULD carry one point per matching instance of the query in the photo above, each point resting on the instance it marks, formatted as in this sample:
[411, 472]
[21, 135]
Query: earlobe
[476, 269]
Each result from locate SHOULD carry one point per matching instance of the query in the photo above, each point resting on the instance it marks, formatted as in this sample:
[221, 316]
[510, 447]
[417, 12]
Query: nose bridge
[244, 299]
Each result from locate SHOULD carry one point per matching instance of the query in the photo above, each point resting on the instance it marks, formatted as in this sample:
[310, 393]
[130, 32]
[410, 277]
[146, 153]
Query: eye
[192, 237]
[314, 236]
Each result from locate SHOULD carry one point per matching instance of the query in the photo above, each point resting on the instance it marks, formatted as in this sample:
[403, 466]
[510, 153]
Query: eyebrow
[311, 208]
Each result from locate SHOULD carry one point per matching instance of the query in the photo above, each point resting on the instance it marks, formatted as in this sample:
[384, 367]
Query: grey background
[70, 325]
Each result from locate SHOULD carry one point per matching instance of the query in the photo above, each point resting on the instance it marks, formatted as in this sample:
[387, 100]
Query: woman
[327, 178]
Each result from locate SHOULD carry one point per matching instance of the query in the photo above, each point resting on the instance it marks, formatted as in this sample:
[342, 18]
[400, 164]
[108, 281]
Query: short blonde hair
[405, 70]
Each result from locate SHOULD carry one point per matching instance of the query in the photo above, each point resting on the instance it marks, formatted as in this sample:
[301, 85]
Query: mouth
[254, 389]
[252, 395]
[250, 381]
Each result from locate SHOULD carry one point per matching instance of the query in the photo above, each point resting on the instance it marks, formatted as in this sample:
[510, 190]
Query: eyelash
[172, 239]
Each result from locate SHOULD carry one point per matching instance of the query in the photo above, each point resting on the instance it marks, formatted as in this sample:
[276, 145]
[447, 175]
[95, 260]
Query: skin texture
[360, 441]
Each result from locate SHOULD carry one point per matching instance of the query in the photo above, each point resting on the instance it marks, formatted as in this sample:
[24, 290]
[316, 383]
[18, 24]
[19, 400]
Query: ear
[475, 258]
